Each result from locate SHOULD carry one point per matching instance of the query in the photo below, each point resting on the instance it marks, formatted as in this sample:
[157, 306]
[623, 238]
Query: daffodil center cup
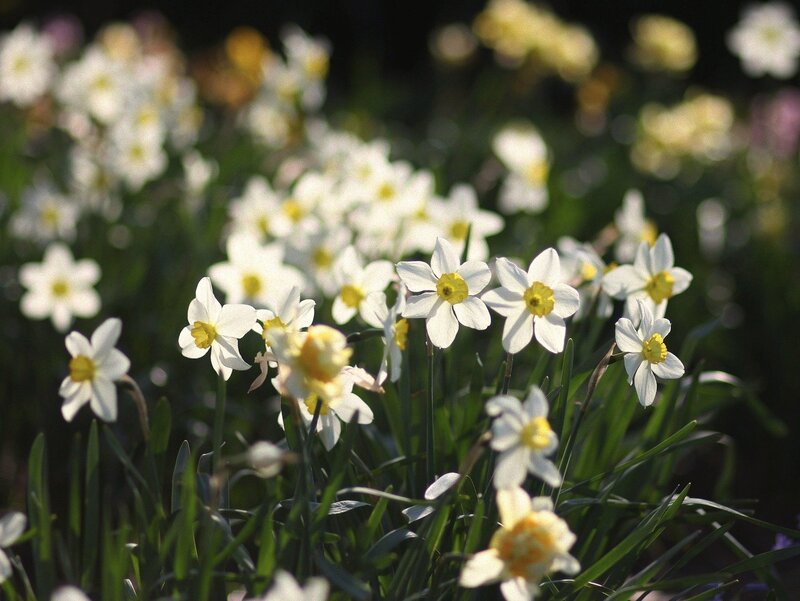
[251, 284]
[60, 288]
[526, 543]
[352, 296]
[539, 299]
[536, 173]
[459, 229]
[203, 333]
[82, 369]
[536, 433]
[324, 353]
[311, 404]
[322, 258]
[452, 288]
[401, 334]
[659, 287]
[276, 323]
[654, 349]
[293, 210]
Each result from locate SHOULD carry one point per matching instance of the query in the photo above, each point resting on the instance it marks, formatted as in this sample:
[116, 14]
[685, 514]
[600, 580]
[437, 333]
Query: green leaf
[39, 517]
[352, 586]
[91, 506]
[181, 463]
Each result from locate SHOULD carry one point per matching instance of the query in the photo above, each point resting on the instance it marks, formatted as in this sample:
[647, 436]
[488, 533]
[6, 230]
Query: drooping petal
[373, 309]
[550, 332]
[567, 300]
[517, 331]
[510, 469]
[503, 301]
[417, 276]
[104, 399]
[216, 363]
[105, 336]
[422, 305]
[61, 316]
[227, 350]
[444, 258]
[472, 313]
[510, 276]
[645, 384]
[442, 325]
[545, 268]
[304, 316]
[476, 274]
[73, 403]
[482, 568]
[330, 430]
[545, 469]
[669, 369]
[626, 336]
[505, 433]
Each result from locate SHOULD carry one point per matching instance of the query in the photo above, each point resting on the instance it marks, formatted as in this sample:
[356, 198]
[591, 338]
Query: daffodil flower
[532, 541]
[646, 354]
[285, 587]
[355, 281]
[94, 368]
[12, 525]
[216, 328]
[449, 290]
[534, 303]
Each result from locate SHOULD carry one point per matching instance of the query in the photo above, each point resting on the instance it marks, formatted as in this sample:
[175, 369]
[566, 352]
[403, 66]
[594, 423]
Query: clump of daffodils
[662, 43]
[532, 541]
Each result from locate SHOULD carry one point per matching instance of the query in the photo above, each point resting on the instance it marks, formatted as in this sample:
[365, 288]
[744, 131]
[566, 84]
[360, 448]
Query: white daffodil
[26, 65]
[534, 303]
[60, 287]
[646, 355]
[217, 328]
[95, 84]
[531, 542]
[45, 214]
[285, 588]
[395, 331]
[449, 290]
[583, 267]
[524, 153]
[767, 40]
[12, 525]
[253, 271]
[258, 212]
[136, 158]
[93, 369]
[523, 437]
[69, 593]
[652, 278]
[633, 227]
[355, 281]
[266, 458]
[315, 253]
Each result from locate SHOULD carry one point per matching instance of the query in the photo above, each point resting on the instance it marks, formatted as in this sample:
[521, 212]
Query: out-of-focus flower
[449, 290]
[646, 355]
[45, 214]
[533, 303]
[523, 437]
[93, 369]
[652, 278]
[531, 542]
[767, 40]
[523, 152]
[247, 49]
[26, 65]
[69, 593]
[633, 227]
[197, 175]
[253, 270]
[12, 525]
[137, 157]
[662, 43]
[266, 458]
[64, 31]
[581, 265]
[217, 328]
[698, 128]
[355, 282]
[285, 587]
[395, 331]
[96, 85]
[453, 45]
[315, 254]
[258, 211]
[775, 125]
[60, 287]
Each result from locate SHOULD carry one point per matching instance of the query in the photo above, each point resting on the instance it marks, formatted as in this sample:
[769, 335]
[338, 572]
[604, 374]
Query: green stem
[507, 375]
[429, 443]
[219, 423]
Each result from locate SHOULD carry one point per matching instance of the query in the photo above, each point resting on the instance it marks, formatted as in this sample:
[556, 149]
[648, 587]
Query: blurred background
[393, 73]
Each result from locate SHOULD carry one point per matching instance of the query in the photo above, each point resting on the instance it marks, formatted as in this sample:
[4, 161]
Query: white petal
[472, 313]
[77, 344]
[197, 312]
[477, 275]
[216, 363]
[73, 403]
[550, 332]
[61, 317]
[511, 276]
[621, 281]
[503, 301]
[632, 362]
[518, 589]
[444, 258]
[682, 279]
[105, 336]
[305, 314]
[12, 525]
[227, 350]
[378, 275]
[660, 326]
[669, 369]
[544, 469]
[482, 568]
[442, 325]
[373, 309]
[513, 505]
[104, 399]
[329, 433]
[510, 469]
[626, 336]
[421, 305]
[505, 434]
[567, 300]
[505, 404]
[84, 303]
[545, 268]
[235, 320]
[535, 404]
[441, 485]
[341, 312]
[188, 347]
[517, 331]
[35, 305]
[85, 271]
[316, 589]
[417, 276]
[645, 383]
[205, 294]
[566, 563]
[5, 567]
[348, 405]
[661, 255]
[115, 365]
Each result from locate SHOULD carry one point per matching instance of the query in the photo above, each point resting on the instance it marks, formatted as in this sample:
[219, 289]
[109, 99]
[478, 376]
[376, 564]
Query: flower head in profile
[12, 525]
[216, 328]
[767, 40]
[60, 287]
[94, 368]
[646, 354]
[531, 542]
[523, 437]
[534, 303]
[285, 587]
[632, 226]
[653, 278]
[395, 331]
[449, 290]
